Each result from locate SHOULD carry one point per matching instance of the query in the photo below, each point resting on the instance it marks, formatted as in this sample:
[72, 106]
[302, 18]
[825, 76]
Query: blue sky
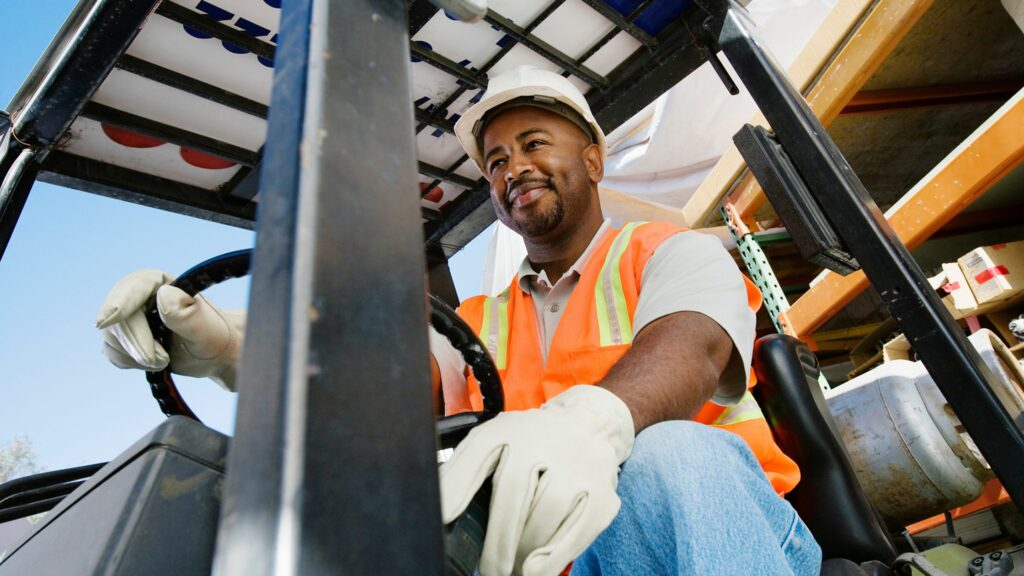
[67, 251]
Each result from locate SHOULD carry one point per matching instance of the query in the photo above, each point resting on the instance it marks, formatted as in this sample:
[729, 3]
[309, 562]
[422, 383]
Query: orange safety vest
[593, 333]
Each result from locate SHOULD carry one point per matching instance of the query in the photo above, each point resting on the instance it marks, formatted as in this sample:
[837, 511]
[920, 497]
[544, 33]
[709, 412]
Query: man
[616, 348]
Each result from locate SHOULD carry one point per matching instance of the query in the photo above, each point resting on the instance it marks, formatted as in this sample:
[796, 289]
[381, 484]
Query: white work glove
[555, 470]
[206, 341]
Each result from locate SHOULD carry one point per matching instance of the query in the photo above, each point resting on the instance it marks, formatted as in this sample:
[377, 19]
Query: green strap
[763, 276]
[746, 409]
[613, 321]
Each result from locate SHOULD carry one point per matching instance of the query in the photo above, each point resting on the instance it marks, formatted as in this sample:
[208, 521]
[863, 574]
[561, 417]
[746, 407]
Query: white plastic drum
[909, 450]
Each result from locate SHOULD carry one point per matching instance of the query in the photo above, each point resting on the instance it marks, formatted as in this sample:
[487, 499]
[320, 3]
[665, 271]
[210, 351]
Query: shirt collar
[527, 274]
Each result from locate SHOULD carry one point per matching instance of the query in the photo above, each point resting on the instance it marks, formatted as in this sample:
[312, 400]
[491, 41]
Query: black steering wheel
[464, 536]
[450, 429]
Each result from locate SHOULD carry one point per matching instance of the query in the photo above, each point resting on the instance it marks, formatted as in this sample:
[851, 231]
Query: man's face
[540, 167]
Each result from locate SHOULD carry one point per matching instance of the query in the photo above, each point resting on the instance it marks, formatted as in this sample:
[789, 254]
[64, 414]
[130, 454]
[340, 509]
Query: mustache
[519, 183]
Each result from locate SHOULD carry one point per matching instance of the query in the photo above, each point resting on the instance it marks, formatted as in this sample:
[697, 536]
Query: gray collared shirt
[549, 300]
[688, 272]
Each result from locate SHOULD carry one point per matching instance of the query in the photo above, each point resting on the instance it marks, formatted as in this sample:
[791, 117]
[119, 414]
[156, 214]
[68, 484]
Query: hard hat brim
[466, 128]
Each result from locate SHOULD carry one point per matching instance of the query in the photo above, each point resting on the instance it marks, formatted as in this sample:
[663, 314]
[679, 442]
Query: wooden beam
[860, 41]
[985, 157]
[873, 101]
[982, 220]
[851, 333]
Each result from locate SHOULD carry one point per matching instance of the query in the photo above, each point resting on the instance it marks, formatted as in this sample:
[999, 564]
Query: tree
[17, 459]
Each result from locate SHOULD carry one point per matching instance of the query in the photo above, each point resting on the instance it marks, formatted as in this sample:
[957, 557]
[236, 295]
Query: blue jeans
[695, 501]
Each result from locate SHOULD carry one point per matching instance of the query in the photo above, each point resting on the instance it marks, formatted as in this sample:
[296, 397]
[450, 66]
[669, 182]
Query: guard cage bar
[99, 32]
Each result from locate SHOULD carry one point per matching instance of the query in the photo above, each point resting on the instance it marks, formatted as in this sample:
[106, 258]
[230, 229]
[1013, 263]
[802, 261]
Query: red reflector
[203, 160]
[129, 138]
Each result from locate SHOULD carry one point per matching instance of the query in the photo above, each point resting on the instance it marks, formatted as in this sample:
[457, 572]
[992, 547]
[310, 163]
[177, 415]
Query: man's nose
[518, 166]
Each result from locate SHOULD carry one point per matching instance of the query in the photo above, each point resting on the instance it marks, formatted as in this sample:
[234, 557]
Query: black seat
[828, 498]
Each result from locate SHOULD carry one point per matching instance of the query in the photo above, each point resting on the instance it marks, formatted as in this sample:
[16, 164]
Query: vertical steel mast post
[332, 469]
[951, 360]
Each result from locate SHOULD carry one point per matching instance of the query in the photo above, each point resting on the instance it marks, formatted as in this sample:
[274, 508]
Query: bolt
[996, 555]
[978, 561]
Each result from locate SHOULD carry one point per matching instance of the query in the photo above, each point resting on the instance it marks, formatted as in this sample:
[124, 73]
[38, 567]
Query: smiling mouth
[525, 194]
[520, 200]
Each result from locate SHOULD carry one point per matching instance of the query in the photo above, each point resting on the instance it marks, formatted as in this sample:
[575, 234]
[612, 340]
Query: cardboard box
[957, 288]
[957, 295]
[896, 349]
[995, 273]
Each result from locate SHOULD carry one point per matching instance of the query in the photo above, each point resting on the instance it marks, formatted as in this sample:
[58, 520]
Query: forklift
[321, 477]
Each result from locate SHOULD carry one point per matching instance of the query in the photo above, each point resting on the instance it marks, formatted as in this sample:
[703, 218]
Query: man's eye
[533, 144]
[495, 164]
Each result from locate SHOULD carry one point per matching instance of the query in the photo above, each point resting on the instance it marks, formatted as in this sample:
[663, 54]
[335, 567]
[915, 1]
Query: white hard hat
[526, 86]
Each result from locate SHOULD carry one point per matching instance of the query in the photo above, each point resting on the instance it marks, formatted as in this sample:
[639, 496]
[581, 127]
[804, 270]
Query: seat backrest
[828, 498]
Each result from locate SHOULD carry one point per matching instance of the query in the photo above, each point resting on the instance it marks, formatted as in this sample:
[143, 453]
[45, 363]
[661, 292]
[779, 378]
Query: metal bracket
[709, 48]
[998, 563]
[810, 229]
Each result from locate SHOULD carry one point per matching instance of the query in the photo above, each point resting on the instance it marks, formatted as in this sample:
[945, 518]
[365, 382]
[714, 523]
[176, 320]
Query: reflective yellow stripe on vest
[747, 409]
[613, 320]
[494, 330]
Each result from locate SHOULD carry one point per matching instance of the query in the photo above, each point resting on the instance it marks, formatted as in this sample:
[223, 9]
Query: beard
[543, 222]
[539, 219]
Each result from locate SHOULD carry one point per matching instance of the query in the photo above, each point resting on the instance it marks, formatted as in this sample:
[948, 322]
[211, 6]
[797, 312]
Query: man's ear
[594, 163]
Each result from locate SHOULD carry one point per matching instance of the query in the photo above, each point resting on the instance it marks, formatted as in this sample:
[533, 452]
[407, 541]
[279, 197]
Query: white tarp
[658, 158]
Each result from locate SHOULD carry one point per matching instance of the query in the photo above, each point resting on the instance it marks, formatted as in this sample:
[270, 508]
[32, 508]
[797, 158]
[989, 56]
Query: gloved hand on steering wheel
[206, 340]
[555, 471]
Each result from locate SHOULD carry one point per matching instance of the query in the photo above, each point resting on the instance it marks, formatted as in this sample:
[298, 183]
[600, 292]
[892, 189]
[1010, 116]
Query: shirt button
[554, 308]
